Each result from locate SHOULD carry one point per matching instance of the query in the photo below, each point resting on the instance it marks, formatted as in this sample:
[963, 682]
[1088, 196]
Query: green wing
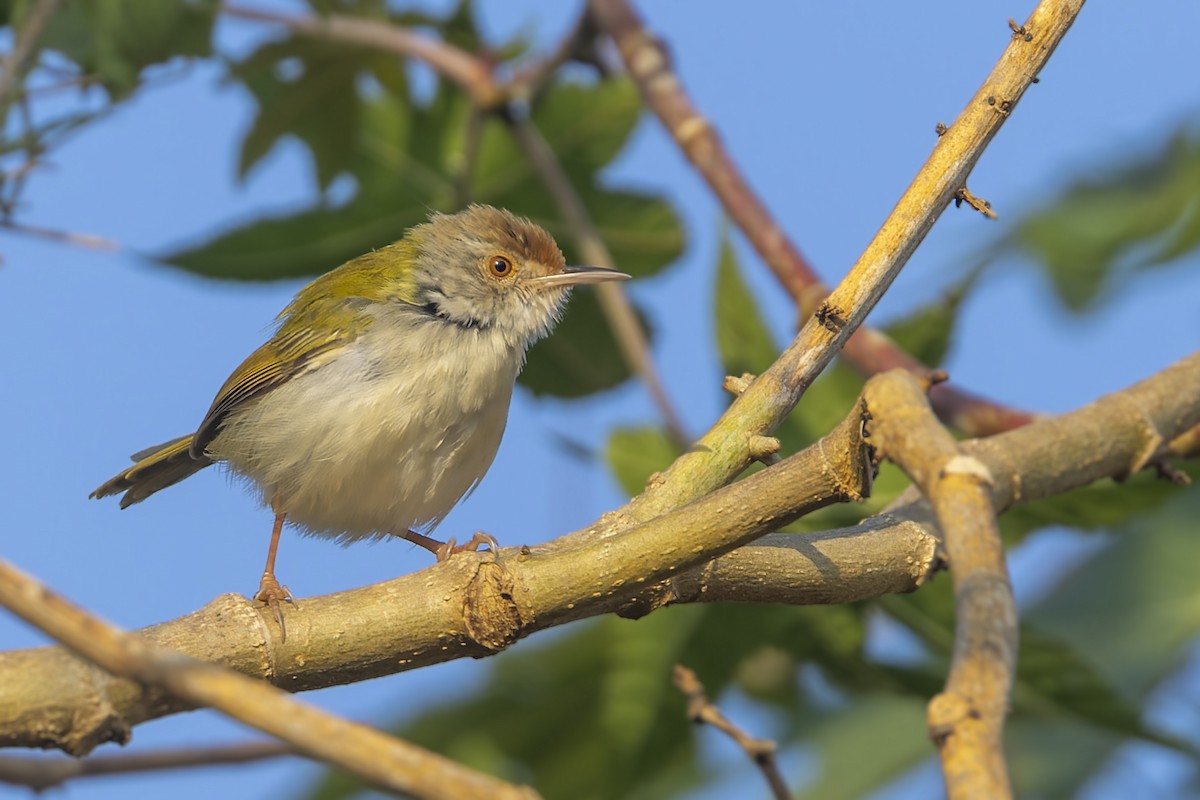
[293, 350]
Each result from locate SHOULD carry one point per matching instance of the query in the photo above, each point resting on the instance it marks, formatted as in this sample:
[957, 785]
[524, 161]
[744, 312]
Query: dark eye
[500, 267]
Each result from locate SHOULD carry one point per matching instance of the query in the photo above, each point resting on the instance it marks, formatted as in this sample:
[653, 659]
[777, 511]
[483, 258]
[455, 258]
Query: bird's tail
[157, 468]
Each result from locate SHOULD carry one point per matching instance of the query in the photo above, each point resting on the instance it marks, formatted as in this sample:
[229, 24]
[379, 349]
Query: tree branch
[40, 774]
[472, 606]
[377, 758]
[966, 720]
[647, 61]
[702, 711]
[723, 452]
[471, 73]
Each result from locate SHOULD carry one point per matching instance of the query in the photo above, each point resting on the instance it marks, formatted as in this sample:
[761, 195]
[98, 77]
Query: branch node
[963, 195]
[970, 467]
[735, 385]
[764, 448]
[940, 129]
[1019, 31]
[1166, 471]
[1000, 105]
[831, 317]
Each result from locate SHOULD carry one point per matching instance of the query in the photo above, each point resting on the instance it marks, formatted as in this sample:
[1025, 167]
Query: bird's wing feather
[294, 350]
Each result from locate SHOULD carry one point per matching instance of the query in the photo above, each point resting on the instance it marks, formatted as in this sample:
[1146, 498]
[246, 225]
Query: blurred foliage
[590, 712]
[1139, 215]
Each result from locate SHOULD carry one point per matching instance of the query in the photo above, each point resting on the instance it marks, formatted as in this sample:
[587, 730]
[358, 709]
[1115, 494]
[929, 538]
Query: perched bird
[381, 398]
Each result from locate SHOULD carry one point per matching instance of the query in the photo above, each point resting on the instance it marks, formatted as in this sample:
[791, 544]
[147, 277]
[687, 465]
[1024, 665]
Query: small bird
[381, 398]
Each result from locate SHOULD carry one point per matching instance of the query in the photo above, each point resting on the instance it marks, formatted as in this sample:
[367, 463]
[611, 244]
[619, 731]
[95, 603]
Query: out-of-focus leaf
[591, 715]
[304, 87]
[1133, 608]
[743, 341]
[407, 161]
[634, 454]
[1143, 214]
[867, 745]
[1053, 683]
[116, 39]
[1104, 505]
[926, 334]
[581, 357]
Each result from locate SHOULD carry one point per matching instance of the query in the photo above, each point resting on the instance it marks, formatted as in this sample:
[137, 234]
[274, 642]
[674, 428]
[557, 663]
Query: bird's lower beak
[574, 276]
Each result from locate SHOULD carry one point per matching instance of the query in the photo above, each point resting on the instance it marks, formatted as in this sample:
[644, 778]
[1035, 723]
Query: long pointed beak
[575, 276]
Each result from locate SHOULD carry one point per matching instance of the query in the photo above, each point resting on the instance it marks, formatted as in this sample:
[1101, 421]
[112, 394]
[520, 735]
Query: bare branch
[377, 758]
[471, 606]
[966, 720]
[722, 453]
[702, 711]
[471, 73]
[40, 774]
[647, 61]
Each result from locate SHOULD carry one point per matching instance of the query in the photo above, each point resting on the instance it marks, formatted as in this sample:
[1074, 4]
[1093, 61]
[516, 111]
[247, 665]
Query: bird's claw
[272, 595]
[472, 545]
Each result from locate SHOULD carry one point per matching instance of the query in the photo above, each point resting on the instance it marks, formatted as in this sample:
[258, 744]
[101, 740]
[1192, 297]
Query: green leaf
[590, 714]
[407, 161]
[581, 357]
[115, 40]
[863, 747]
[926, 334]
[1142, 214]
[1134, 608]
[743, 340]
[1102, 506]
[634, 454]
[307, 88]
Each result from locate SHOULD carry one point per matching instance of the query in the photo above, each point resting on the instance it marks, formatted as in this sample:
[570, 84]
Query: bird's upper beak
[574, 276]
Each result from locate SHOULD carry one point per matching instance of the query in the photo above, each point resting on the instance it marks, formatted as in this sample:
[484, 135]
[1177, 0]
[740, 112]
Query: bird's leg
[443, 550]
[270, 592]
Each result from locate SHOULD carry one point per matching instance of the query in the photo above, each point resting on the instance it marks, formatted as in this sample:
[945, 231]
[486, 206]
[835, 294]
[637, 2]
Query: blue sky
[828, 107]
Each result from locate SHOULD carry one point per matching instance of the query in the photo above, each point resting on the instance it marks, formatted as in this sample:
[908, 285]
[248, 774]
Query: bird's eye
[500, 267]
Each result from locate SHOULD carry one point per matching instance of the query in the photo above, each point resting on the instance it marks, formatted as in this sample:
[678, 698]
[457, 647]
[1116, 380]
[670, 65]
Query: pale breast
[384, 438]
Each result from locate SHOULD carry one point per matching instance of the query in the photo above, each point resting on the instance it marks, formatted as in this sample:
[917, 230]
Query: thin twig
[579, 43]
[624, 322]
[471, 73]
[17, 61]
[966, 721]
[377, 758]
[700, 710]
[40, 774]
[647, 62]
[88, 240]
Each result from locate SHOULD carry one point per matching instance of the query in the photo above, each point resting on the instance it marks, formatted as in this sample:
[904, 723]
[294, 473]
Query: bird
[381, 398]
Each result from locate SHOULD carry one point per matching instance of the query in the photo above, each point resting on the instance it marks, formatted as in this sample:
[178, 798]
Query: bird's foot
[449, 548]
[272, 595]
[443, 550]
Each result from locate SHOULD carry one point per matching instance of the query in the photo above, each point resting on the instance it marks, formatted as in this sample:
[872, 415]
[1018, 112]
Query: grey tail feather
[157, 468]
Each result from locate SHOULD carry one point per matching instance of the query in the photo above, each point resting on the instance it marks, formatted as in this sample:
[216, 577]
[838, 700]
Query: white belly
[367, 445]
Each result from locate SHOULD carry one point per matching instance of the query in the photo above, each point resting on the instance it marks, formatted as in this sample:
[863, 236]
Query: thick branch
[966, 721]
[723, 453]
[377, 758]
[466, 606]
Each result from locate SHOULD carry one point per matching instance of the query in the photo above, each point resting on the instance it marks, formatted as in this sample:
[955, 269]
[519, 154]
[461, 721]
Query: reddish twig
[700, 710]
[40, 774]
